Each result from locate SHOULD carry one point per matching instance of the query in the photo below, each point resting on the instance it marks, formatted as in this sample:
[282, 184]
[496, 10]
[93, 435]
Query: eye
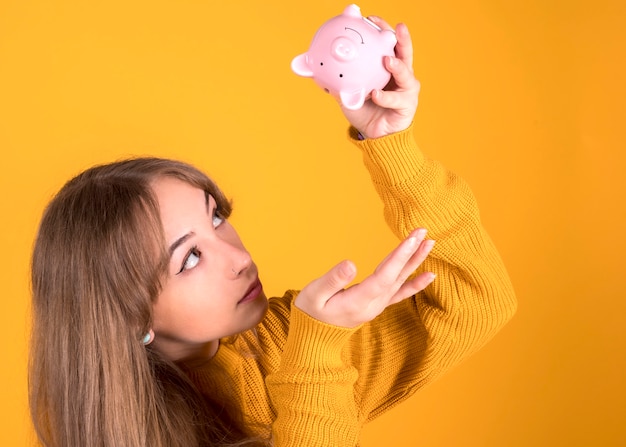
[217, 218]
[191, 260]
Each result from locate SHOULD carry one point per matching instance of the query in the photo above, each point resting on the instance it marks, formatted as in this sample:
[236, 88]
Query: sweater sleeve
[312, 391]
[290, 377]
[415, 341]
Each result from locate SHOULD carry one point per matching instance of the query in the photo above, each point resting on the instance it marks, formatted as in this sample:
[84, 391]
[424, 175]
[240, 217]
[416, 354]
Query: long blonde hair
[97, 266]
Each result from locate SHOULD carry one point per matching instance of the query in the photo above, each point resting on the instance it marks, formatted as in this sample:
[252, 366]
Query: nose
[236, 259]
[241, 265]
[343, 49]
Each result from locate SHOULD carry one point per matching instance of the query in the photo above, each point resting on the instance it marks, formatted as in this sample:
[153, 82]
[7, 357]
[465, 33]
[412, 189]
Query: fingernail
[421, 233]
[429, 244]
[348, 268]
[431, 277]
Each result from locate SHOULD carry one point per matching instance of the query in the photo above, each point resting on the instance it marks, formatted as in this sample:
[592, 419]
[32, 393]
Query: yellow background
[525, 99]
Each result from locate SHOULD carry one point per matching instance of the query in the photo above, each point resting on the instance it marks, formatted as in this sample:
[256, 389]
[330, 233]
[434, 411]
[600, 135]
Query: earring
[147, 339]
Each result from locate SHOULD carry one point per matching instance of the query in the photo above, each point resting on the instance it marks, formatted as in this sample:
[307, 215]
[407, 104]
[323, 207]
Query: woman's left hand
[326, 298]
[392, 109]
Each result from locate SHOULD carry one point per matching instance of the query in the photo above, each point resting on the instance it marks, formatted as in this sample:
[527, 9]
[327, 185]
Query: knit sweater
[316, 384]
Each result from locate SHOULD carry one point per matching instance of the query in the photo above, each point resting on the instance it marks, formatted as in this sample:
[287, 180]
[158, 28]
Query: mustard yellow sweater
[315, 384]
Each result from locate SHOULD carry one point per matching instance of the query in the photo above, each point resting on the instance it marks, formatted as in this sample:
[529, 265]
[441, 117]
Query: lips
[253, 292]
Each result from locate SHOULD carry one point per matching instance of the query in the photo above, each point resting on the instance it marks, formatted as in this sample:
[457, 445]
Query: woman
[151, 326]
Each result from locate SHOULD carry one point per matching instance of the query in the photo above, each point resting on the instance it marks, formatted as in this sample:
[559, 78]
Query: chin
[255, 312]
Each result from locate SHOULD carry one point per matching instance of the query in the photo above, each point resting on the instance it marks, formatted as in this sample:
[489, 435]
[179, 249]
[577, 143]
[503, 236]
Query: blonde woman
[151, 328]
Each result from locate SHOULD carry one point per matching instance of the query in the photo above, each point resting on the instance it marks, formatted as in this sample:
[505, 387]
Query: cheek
[189, 317]
[187, 299]
[173, 306]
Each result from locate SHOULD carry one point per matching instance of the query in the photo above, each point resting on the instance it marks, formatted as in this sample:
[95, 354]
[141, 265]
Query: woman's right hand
[326, 299]
[392, 109]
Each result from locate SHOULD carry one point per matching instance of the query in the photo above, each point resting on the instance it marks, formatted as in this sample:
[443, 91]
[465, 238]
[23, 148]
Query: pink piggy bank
[346, 57]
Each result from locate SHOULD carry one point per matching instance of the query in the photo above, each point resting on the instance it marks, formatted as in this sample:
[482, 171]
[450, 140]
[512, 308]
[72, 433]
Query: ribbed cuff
[314, 344]
[391, 159]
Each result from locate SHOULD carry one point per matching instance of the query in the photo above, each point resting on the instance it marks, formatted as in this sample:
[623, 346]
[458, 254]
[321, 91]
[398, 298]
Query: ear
[353, 100]
[148, 338]
[300, 67]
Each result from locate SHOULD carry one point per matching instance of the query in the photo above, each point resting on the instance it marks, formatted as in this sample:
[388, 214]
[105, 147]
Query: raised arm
[410, 344]
[402, 332]
[471, 298]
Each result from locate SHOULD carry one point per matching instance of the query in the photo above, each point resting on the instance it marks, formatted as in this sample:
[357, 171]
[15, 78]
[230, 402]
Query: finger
[413, 286]
[391, 268]
[319, 291]
[420, 255]
[403, 76]
[405, 95]
[404, 47]
[418, 258]
[405, 88]
[419, 233]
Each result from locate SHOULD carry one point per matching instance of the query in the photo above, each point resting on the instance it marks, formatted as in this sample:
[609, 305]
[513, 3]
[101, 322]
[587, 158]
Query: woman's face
[212, 289]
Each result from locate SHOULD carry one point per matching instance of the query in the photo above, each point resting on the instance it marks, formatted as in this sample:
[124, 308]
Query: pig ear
[300, 67]
[353, 11]
[353, 100]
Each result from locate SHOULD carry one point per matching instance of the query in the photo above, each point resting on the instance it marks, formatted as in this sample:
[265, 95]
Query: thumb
[338, 277]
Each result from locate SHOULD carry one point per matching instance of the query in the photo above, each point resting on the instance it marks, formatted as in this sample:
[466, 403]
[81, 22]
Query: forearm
[419, 192]
[472, 296]
[313, 390]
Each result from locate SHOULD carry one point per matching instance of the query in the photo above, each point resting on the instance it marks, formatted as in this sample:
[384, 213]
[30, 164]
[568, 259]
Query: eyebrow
[181, 240]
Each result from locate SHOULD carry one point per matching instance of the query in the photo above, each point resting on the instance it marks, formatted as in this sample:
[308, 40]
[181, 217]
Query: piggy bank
[346, 57]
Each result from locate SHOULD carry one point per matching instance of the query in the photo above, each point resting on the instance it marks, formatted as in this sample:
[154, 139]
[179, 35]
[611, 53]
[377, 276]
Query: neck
[188, 354]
